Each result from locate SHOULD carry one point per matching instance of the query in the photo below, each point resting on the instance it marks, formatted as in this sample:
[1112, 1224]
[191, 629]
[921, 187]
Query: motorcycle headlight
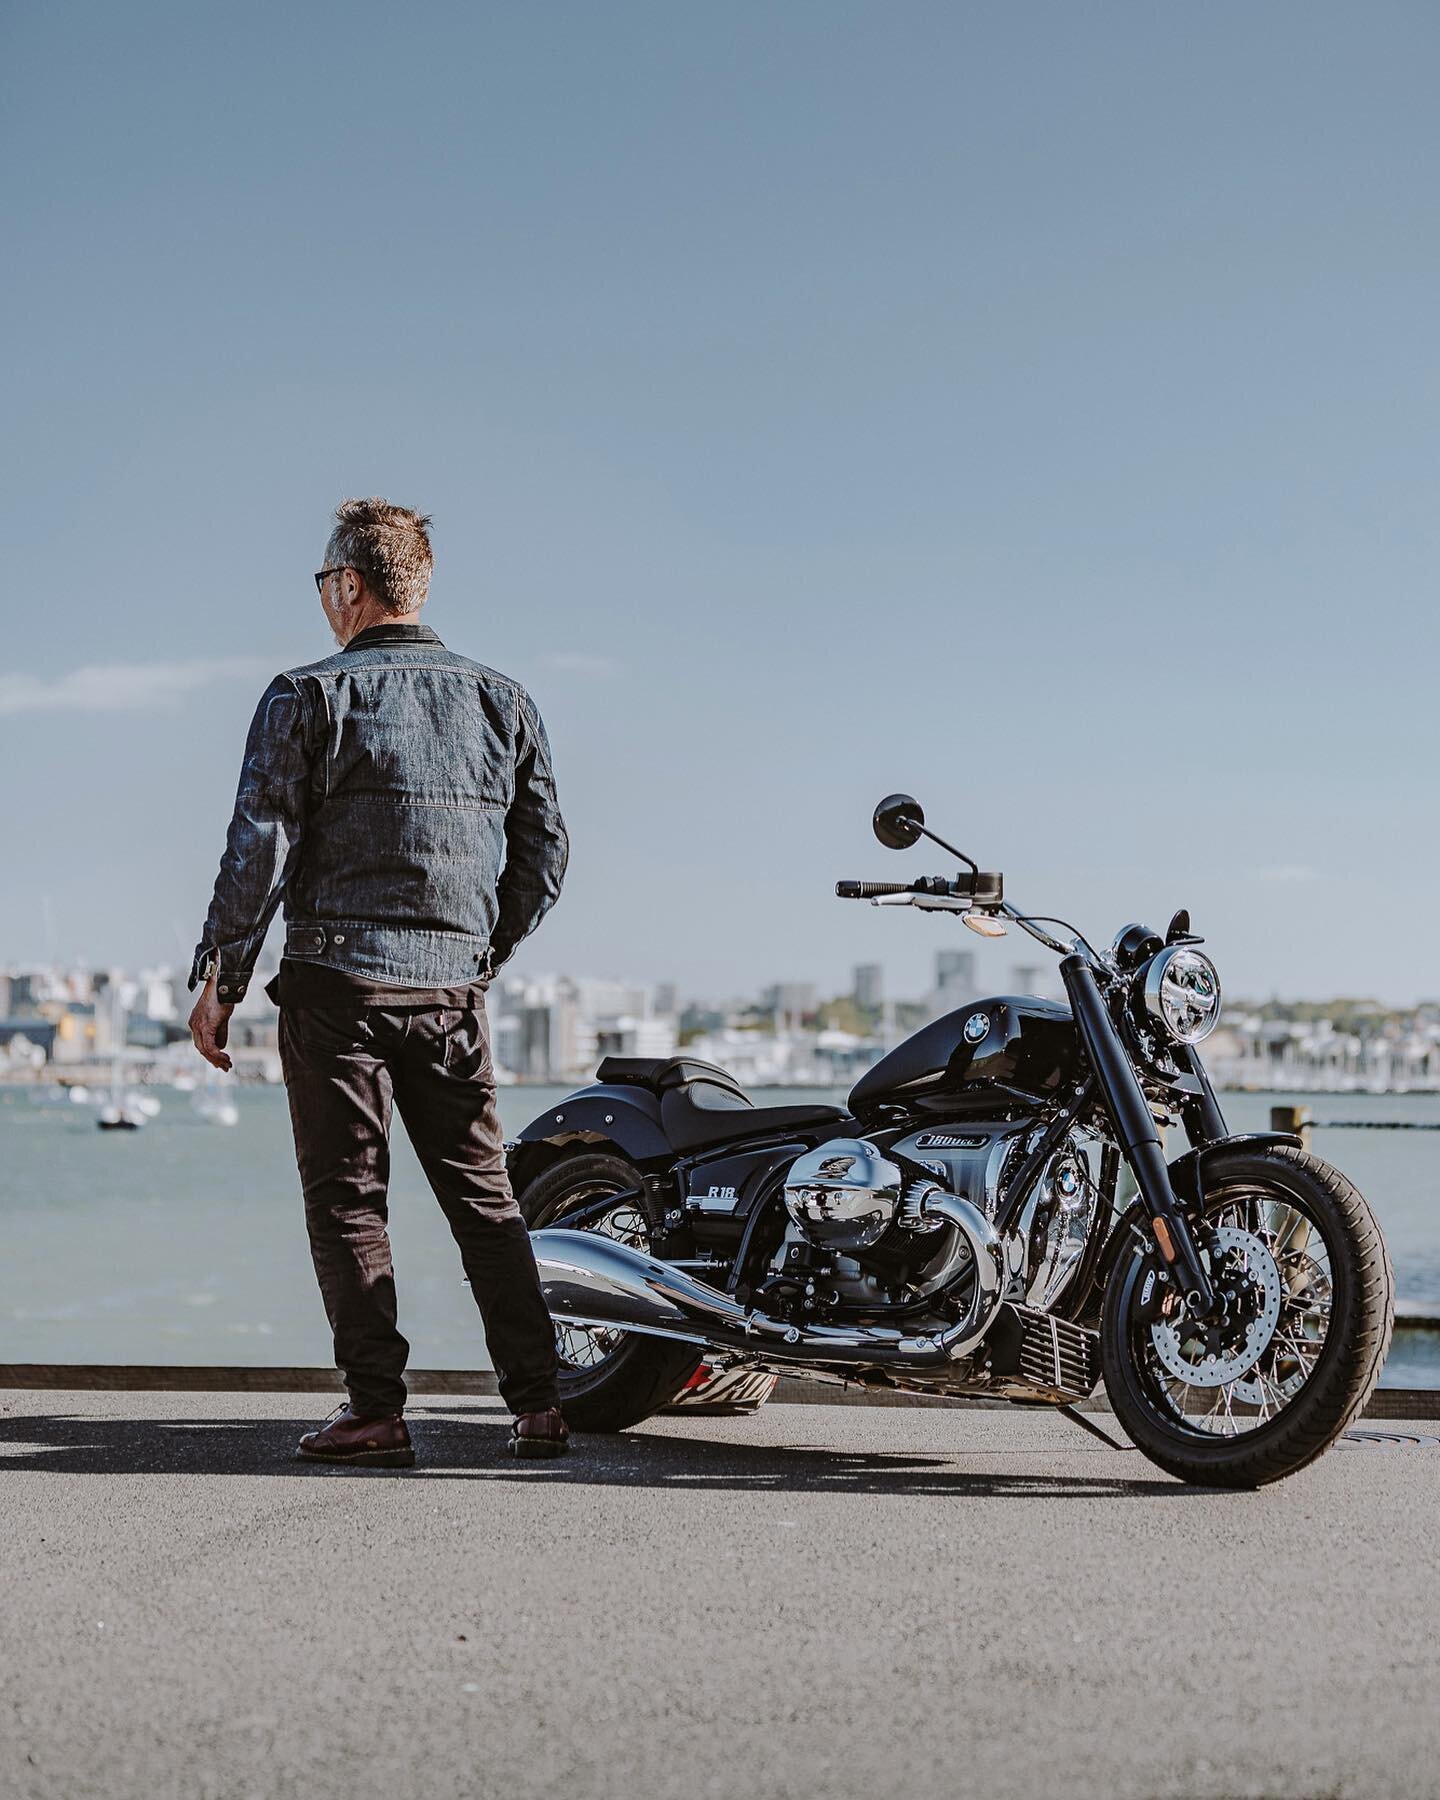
[1182, 991]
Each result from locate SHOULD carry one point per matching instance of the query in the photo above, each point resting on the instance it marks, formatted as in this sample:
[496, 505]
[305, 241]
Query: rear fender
[622, 1120]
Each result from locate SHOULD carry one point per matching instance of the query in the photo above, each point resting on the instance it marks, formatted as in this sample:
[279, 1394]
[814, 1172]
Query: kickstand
[1079, 1418]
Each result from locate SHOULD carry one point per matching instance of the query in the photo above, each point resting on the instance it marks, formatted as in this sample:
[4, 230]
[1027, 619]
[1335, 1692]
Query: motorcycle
[959, 1227]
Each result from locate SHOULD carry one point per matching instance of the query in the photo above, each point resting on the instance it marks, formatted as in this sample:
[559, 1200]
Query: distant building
[790, 999]
[868, 987]
[36, 1033]
[628, 1036]
[254, 1031]
[557, 1027]
[1282, 1056]
[28, 988]
[533, 1046]
[955, 983]
[156, 998]
[145, 1033]
[698, 1019]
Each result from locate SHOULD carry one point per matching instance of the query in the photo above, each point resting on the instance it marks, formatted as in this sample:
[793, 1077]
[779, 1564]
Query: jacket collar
[393, 634]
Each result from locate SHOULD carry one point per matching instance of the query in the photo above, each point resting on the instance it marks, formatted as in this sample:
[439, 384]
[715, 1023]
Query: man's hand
[210, 1026]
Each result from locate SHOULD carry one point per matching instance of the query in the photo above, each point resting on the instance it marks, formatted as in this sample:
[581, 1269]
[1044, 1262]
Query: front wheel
[608, 1379]
[1309, 1309]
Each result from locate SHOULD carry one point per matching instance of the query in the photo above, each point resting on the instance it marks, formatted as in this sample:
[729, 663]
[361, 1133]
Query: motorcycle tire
[642, 1374]
[1346, 1368]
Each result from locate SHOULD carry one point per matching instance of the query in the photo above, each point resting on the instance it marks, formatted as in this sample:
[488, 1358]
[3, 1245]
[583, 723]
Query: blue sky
[1031, 407]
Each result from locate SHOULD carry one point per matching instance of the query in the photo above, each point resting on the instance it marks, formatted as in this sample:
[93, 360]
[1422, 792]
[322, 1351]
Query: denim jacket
[400, 798]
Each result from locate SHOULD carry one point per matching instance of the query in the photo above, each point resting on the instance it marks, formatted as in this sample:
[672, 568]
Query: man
[400, 799]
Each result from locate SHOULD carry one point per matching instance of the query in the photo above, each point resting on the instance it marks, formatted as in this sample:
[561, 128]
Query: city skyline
[957, 973]
[68, 1026]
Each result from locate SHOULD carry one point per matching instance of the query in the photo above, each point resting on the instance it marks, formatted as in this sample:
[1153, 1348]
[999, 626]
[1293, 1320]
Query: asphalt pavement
[821, 1602]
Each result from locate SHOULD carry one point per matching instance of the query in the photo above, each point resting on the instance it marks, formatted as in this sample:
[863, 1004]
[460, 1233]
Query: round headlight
[1182, 991]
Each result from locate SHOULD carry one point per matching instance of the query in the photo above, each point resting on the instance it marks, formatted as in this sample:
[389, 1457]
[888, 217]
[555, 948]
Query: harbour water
[185, 1243]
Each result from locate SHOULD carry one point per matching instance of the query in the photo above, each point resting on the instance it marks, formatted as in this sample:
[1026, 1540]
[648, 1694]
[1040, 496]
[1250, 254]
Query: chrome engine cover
[969, 1159]
[843, 1195]
[1059, 1221]
[973, 1159]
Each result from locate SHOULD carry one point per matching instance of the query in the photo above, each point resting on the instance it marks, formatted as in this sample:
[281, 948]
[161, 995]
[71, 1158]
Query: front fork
[1137, 1132]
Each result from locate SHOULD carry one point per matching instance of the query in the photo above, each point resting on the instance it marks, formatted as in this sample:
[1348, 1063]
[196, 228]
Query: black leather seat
[702, 1105]
[659, 1073]
[703, 1113]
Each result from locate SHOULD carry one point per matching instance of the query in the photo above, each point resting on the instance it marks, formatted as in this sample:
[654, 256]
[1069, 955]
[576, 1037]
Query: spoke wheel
[587, 1346]
[1236, 1376]
[1263, 1388]
[608, 1379]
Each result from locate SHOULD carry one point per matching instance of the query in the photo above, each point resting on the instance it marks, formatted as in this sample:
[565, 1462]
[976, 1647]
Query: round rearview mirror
[897, 821]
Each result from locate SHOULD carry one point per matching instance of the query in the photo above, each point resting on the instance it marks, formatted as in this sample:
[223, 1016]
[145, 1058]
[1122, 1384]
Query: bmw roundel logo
[977, 1028]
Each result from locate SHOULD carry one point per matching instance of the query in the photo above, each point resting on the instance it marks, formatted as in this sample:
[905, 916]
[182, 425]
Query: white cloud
[582, 662]
[122, 687]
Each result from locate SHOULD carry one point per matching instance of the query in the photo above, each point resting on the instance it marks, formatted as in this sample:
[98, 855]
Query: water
[185, 1242]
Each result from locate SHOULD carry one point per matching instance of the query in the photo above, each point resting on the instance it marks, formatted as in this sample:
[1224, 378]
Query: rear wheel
[608, 1379]
[1307, 1325]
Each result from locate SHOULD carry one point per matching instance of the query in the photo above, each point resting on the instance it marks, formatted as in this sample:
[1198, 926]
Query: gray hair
[389, 545]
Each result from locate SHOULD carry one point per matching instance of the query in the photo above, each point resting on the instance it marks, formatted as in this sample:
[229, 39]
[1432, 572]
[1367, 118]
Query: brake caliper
[1158, 1296]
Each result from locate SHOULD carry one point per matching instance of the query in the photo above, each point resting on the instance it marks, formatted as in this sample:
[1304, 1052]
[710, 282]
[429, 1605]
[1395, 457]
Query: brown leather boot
[539, 1434]
[373, 1443]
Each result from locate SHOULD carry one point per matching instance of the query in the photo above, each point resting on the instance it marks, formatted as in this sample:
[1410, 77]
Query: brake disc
[1179, 1347]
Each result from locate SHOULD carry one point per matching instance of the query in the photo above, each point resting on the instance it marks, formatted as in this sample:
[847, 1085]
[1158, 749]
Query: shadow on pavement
[447, 1448]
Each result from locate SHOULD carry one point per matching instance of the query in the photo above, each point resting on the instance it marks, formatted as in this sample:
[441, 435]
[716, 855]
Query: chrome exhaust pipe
[590, 1279]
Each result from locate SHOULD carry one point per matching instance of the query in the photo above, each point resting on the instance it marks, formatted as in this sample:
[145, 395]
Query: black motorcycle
[959, 1229]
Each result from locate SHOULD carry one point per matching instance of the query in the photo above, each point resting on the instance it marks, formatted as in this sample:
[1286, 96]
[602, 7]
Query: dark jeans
[343, 1064]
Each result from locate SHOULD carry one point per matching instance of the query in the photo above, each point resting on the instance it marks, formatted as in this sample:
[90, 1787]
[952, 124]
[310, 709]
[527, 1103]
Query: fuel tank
[1020, 1041]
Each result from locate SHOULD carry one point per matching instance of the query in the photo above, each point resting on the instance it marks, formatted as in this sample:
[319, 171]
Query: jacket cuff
[231, 984]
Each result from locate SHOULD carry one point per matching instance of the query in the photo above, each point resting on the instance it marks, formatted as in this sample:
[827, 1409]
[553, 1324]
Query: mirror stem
[925, 831]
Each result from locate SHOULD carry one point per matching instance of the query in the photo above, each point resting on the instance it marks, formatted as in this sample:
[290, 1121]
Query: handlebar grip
[870, 890]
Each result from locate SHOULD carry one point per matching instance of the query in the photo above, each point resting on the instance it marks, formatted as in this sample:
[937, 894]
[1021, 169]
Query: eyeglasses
[322, 574]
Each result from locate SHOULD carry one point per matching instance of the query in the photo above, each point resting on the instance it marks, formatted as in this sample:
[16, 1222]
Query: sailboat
[120, 1112]
[117, 1116]
[213, 1104]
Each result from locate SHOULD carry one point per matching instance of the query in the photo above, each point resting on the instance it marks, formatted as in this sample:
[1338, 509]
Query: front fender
[1184, 1169]
[1183, 1180]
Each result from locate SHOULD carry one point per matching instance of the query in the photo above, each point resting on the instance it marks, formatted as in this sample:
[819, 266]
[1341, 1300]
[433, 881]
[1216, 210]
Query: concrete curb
[1385, 1403]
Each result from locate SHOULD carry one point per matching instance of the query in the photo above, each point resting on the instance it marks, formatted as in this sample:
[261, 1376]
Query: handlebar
[977, 893]
[983, 889]
[870, 890]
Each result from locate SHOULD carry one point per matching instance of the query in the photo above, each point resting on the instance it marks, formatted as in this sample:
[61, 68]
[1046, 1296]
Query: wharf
[819, 1600]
